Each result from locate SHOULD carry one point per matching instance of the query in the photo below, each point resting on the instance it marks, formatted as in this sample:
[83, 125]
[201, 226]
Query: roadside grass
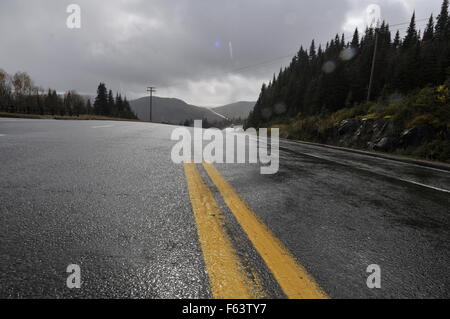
[83, 117]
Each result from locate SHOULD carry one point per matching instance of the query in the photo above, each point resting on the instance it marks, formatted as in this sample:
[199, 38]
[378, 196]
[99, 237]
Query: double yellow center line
[226, 273]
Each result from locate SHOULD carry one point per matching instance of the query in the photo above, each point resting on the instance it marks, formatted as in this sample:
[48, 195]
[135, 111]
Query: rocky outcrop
[425, 140]
[375, 134]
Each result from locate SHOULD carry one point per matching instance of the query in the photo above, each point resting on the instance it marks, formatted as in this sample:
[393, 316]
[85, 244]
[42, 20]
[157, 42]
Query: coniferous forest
[323, 95]
[20, 96]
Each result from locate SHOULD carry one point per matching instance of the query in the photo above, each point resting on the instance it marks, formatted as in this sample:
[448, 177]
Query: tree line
[19, 94]
[108, 105]
[325, 80]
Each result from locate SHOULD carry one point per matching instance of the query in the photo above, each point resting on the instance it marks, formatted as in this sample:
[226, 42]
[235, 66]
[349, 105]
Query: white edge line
[381, 174]
[424, 185]
[366, 154]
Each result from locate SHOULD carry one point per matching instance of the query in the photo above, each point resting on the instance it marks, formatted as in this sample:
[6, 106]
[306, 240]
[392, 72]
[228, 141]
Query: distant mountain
[236, 110]
[176, 111]
[169, 110]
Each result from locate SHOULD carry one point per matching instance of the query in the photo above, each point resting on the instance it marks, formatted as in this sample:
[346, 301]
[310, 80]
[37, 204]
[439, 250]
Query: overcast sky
[190, 49]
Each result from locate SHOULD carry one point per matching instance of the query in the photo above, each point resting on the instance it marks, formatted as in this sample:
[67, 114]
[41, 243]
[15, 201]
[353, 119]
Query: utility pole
[369, 93]
[151, 90]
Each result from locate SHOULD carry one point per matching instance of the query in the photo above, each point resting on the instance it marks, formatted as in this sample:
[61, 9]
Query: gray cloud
[181, 46]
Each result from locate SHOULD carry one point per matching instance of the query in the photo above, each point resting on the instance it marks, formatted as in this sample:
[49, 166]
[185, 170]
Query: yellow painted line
[293, 278]
[226, 274]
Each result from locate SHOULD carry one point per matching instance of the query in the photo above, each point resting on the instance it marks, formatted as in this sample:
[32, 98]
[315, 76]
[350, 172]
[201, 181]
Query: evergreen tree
[397, 41]
[68, 104]
[428, 35]
[442, 22]
[119, 105]
[312, 50]
[101, 101]
[127, 112]
[53, 102]
[355, 40]
[111, 110]
[411, 35]
[429, 59]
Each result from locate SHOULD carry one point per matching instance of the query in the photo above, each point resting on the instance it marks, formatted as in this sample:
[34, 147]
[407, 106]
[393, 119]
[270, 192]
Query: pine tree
[429, 66]
[442, 22]
[397, 41]
[54, 103]
[68, 104]
[59, 103]
[312, 50]
[101, 101]
[127, 112]
[355, 40]
[429, 30]
[111, 105]
[119, 105]
[411, 35]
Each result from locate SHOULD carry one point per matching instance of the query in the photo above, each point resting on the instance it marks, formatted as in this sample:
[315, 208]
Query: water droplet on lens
[348, 54]
[329, 67]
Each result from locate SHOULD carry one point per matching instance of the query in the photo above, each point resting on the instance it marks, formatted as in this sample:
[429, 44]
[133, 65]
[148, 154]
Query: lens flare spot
[329, 67]
[373, 15]
[348, 54]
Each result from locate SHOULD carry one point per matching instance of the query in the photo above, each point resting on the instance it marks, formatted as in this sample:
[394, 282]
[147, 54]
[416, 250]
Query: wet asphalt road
[106, 196]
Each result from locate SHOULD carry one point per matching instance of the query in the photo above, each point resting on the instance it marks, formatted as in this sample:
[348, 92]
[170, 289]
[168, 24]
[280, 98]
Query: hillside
[236, 110]
[170, 110]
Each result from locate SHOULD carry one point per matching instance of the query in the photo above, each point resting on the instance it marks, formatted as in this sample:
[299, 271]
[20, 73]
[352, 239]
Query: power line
[419, 27]
[403, 23]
